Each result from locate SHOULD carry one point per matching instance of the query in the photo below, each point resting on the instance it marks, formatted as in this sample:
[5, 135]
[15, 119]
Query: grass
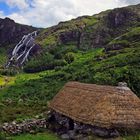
[35, 90]
[90, 21]
[39, 136]
[50, 40]
[136, 137]
[50, 136]
[3, 56]
[28, 96]
[2, 81]
[6, 80]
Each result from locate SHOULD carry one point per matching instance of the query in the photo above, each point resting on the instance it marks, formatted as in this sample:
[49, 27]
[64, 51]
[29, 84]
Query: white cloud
[46, 13]
[19, 18]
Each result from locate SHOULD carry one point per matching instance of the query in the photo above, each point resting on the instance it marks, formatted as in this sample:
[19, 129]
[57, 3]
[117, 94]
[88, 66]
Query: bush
[2, 137]
[57, 63]
[8, 72]
[69, 57]
[40, 63]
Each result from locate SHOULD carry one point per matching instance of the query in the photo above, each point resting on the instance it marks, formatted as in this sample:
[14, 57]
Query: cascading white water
[22, 50]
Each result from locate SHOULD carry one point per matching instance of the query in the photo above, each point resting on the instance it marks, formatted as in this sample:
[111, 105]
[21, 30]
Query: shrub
[69, 57]
[2, 137]
[40, 63]
[57, 63]
[8, 72]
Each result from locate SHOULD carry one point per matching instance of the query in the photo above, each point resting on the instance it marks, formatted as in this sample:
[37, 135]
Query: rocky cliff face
[11, 32]
[85, 32]
[111, 25]
[121, 17]
[92, 31]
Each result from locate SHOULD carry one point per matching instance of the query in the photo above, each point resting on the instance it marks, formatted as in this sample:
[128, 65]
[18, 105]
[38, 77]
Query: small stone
[65, 136]
[37, 116]
[32, 132]
[14, 123]
[20, 100]
[71, 133]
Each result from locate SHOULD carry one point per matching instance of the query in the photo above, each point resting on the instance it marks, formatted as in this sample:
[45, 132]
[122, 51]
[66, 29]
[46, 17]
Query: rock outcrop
[120, 17]
[11, 32]
[28, 126]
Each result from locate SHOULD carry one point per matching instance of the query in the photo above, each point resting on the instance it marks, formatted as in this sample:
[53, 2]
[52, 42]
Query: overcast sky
[45, 13]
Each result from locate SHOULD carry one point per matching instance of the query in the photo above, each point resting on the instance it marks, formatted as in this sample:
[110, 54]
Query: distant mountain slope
[92, 31]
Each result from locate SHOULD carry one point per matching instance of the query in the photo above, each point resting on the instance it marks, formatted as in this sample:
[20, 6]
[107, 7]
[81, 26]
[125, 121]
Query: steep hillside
[116, 32]
[92, 31]
[10, 34]
[101, 49]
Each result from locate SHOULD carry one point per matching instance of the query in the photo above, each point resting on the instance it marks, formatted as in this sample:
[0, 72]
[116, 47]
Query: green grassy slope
[36, 89]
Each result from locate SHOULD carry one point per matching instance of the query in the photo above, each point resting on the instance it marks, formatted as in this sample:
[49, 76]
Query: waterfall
[22, 50]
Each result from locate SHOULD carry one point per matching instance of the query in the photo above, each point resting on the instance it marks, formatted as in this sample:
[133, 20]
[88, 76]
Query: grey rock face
[11, 32]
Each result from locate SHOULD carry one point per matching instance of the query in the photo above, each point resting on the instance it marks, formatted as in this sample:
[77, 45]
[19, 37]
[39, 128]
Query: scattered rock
[30, 126]
[65, 136]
